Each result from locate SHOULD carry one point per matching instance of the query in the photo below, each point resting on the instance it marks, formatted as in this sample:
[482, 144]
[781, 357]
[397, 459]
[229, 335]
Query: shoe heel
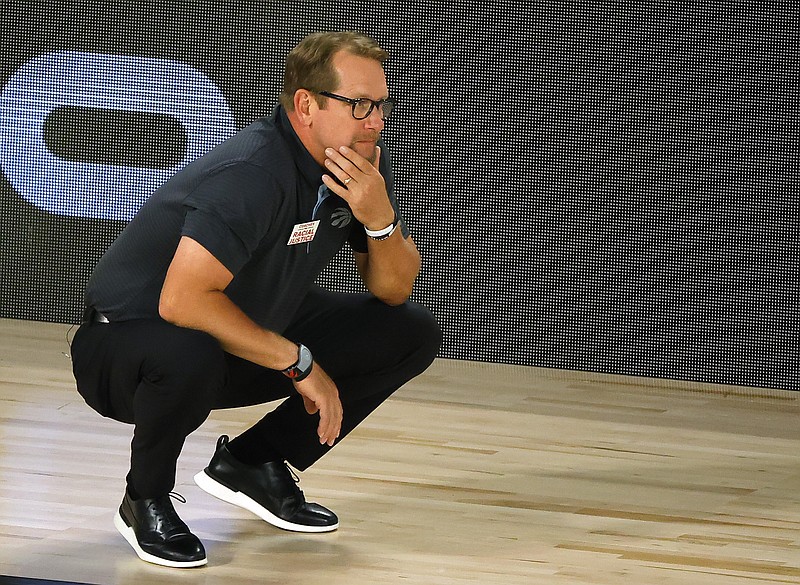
[129, 535]
[216, 488]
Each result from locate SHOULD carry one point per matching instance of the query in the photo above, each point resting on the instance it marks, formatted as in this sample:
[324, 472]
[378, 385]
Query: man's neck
[303, 134]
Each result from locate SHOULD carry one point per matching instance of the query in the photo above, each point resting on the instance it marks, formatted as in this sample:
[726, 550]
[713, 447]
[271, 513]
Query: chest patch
[303, 232]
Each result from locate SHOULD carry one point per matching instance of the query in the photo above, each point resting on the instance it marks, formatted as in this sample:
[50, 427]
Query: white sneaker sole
[210, 485]
[129, 535]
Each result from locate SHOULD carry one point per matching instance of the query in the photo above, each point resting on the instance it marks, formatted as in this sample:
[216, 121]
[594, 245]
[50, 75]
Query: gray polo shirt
[243, 201]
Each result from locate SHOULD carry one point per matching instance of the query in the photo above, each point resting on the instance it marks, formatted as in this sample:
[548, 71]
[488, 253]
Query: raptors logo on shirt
[341, 217]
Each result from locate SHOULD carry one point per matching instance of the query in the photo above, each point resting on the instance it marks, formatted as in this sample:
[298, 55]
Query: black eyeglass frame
[372, 104]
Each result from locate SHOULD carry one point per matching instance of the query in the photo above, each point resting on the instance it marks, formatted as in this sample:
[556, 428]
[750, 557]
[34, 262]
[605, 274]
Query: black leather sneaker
[157, 534]
[268, 490]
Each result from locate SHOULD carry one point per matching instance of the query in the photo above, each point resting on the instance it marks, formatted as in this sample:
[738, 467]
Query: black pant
[166, 379]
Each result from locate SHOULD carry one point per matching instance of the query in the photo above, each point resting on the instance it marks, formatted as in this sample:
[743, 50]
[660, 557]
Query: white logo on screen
[92, 80]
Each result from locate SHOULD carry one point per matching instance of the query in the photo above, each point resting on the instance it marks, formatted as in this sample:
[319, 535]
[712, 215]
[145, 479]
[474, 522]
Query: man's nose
[375, 119]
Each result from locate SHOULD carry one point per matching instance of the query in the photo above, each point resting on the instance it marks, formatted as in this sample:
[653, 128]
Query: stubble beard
[371, 156]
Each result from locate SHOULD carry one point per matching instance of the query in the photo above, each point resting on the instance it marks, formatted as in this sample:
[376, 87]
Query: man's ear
[304, 106]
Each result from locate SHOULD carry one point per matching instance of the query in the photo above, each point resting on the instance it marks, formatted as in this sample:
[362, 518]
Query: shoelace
[296, 480]
[177, 496]
[167, 513]
[174, 496]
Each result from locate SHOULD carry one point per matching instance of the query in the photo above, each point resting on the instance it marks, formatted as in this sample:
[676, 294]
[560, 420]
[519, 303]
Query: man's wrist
[383, 233]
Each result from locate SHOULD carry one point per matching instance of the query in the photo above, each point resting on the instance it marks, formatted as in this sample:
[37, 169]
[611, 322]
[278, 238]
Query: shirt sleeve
[230, 212]
[358, 238]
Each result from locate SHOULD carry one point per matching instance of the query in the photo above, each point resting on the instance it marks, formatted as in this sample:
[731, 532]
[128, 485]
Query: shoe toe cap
[178, 548]
[310, 514]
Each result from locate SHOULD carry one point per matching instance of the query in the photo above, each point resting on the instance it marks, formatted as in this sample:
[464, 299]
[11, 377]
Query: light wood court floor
[473, 473]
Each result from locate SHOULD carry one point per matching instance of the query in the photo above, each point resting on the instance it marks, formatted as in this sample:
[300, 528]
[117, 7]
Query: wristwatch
[302, 368]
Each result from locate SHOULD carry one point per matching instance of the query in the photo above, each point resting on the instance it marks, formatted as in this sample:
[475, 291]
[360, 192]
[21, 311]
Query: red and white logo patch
[303, 232]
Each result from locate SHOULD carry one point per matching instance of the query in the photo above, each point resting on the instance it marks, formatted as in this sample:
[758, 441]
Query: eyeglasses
[362, 107]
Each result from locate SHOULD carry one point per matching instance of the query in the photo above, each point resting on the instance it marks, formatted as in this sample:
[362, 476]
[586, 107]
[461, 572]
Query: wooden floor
[473, 473]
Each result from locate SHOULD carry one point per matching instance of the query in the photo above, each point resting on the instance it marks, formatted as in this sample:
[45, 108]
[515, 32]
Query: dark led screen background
[608, 187]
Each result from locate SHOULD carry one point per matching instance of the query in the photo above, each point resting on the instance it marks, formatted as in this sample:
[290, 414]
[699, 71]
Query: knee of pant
[425, 332]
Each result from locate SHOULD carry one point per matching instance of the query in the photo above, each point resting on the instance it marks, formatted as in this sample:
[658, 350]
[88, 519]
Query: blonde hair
[310, 64]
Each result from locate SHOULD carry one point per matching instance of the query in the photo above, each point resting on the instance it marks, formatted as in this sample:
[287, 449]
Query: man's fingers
[346, 167]
[320, 394]
[327, 430]
[333, 185]
[330, 423]
[349, 160]
[339, 165]
[336, 188]
[339, 173]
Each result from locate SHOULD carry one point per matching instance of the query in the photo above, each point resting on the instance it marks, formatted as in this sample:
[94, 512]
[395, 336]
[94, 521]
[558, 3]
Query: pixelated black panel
[108, 136]
[608, 187]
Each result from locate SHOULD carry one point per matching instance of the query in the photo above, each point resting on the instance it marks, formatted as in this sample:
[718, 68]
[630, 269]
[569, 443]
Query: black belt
[92, 315]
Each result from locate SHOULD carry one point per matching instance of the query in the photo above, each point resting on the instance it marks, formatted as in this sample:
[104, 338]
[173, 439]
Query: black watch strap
[302, 367]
